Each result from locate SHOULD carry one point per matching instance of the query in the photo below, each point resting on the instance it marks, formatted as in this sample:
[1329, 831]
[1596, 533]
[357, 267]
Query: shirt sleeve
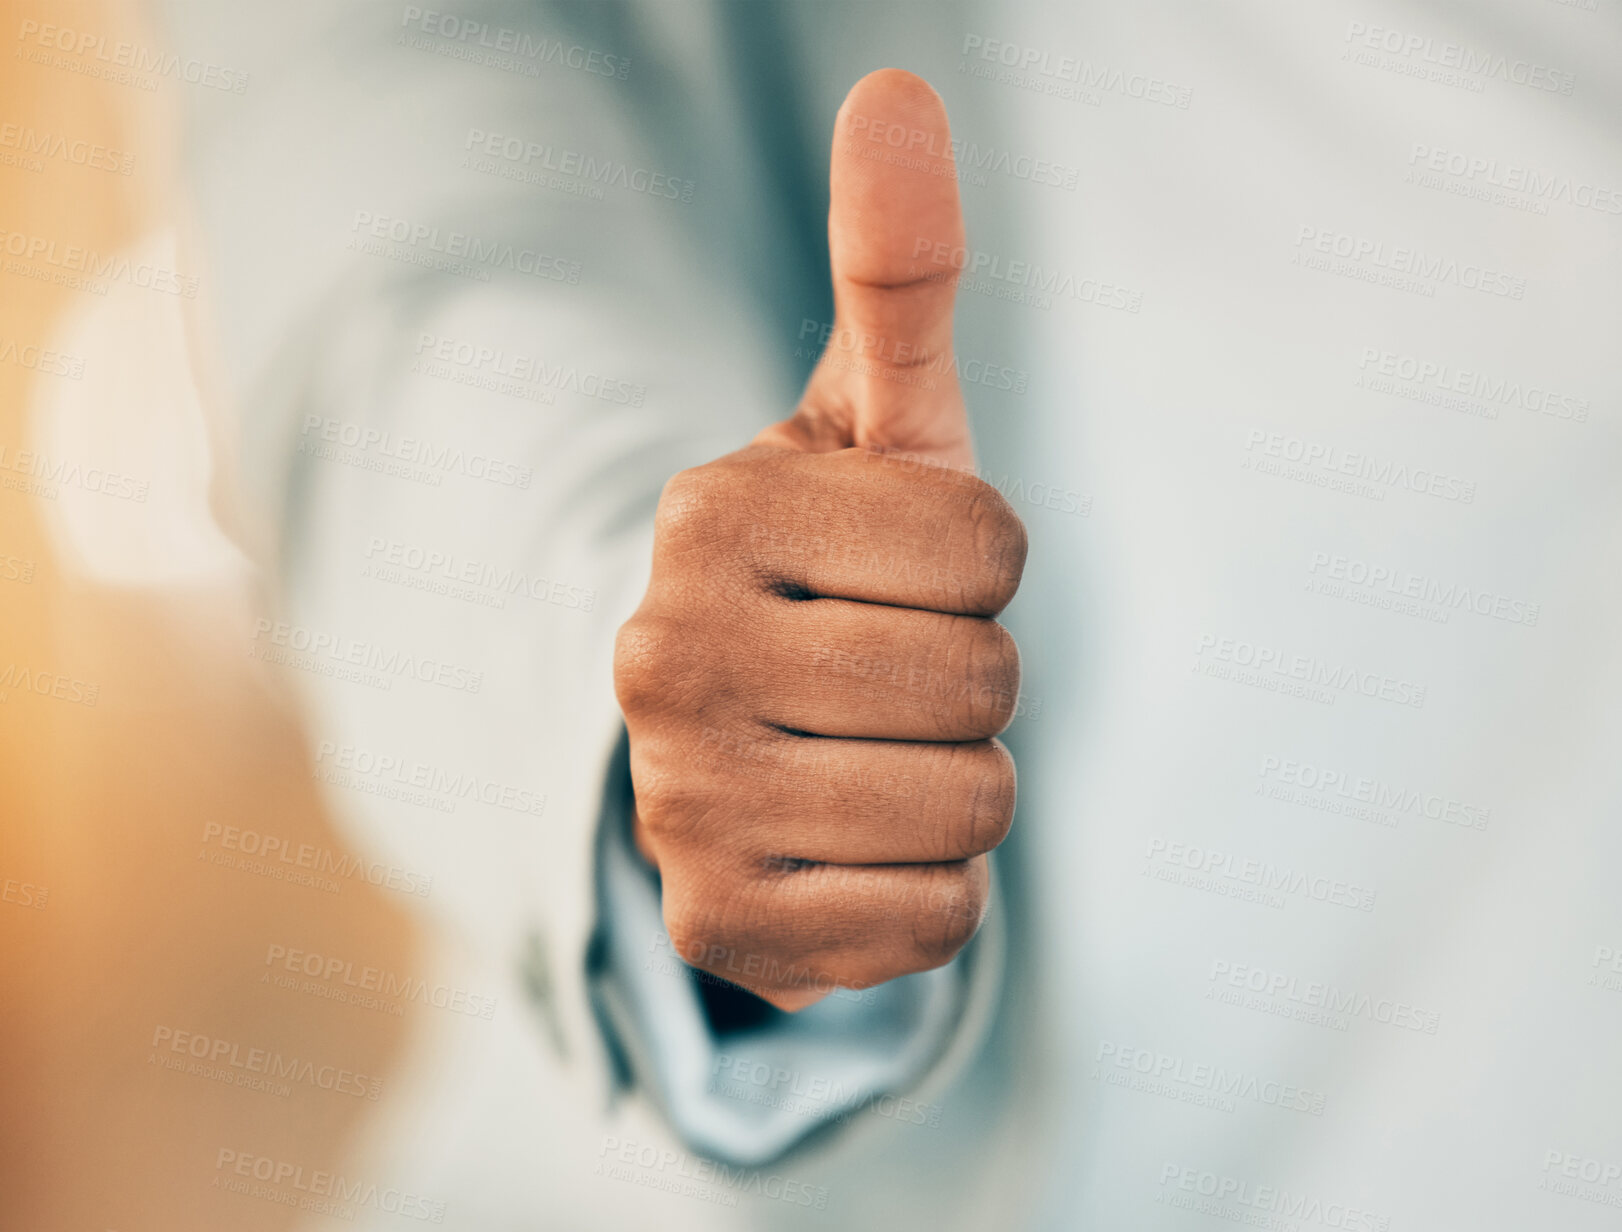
[459, 393]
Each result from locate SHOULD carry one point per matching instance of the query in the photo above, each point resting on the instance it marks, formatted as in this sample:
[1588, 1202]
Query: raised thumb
[887, 377]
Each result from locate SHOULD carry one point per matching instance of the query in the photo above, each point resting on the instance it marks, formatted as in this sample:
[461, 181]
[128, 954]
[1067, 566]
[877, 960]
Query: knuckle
[999, 543]
[707, 931]
[647, 656]
[660, 806]
[690, 505]
[991, 671]
[991, 806]
[954, 902]
[690, 928]
[680, 809]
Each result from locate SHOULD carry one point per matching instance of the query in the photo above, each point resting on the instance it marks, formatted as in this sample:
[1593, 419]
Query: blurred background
[343, 352]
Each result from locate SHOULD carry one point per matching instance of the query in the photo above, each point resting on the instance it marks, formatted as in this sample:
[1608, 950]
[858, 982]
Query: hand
[814, 679]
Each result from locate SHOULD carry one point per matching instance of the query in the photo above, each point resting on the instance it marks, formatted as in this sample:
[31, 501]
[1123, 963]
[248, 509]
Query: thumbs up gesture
[814, 681]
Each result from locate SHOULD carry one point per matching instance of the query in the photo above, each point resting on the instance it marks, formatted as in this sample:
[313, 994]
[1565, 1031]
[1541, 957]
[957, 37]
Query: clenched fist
[814, 680]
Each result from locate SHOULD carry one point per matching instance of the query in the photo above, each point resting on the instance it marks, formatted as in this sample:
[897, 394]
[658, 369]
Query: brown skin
[814, 680]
